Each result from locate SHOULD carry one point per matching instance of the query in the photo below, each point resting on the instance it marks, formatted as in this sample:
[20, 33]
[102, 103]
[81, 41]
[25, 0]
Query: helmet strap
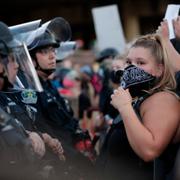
[38, 67]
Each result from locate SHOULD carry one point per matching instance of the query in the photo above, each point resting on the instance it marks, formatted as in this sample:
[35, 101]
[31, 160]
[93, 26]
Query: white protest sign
[172, 12]
[108, 28]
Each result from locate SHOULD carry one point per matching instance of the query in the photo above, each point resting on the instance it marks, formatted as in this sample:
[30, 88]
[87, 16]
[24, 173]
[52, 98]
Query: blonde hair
[155, 44]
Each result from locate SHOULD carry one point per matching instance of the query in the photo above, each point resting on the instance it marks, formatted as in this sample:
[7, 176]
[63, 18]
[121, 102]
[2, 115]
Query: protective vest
[56, 108]
[17, 111]
[15, 148]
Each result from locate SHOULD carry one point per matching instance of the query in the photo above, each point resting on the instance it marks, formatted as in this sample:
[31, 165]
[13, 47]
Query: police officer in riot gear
[15, 143]
[44, 58]
[53, 106]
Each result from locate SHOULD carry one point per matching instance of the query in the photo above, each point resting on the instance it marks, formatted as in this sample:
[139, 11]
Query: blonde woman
[149, 109]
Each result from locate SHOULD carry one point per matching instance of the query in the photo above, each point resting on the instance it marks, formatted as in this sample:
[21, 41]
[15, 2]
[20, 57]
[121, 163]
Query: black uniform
[15, 103]
[17, 111]
[55, 117]
[15, 150]
[59, 114]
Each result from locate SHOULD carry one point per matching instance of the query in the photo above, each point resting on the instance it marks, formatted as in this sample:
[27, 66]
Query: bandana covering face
[116, 76]
[136, 80]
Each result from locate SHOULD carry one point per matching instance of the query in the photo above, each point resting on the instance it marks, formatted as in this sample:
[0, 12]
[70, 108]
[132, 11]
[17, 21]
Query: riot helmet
[46, 39]
[107, 53]
[52, 33]
[65, 50]
[40, 43]
[14, 56]
[7, 42]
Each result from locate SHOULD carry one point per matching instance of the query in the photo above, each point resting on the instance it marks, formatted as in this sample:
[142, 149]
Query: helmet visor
[58, 27]
[20, 69]
[65, 49]
[23, 31]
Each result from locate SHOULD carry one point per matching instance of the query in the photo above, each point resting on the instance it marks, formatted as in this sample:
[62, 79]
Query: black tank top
[117, 159]
[164, 164]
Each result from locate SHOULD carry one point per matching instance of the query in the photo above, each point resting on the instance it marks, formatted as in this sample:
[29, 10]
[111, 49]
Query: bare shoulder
[161, 115]
[163, 99]
[163, 96]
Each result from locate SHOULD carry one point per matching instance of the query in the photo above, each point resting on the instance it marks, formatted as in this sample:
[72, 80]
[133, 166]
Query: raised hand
[176, 25]
[163, 30]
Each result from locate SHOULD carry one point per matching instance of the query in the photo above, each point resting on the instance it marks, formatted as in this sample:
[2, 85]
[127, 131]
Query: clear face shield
[18, 30]
[65, 49]
[20, 69]
[58, 27]
[22, 31]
